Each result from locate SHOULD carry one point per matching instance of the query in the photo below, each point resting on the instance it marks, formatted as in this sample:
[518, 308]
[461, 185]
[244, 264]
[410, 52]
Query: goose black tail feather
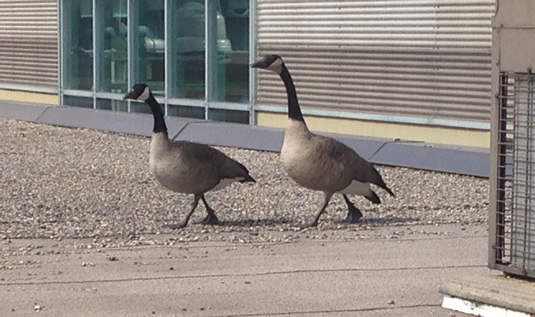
[382, 184]
[389, 191]
[373, 198]
[248, 178]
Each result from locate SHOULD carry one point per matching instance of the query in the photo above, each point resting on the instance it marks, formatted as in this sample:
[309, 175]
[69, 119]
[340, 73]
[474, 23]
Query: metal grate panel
[515, 204]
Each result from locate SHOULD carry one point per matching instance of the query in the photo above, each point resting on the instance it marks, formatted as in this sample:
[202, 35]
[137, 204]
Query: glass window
[229, 115]
[138, 106]
[112, 46]
[187, 51]
[185, 111]
[114, 105]
[78, 44]
[105, 52]
[231, 73]
[83, 102]
[150, 44]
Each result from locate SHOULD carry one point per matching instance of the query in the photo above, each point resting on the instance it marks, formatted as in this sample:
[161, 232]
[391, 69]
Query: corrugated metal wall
[28, 43]
[423, 58]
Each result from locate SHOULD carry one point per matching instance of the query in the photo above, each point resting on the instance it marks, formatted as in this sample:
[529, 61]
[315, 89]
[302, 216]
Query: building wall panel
[424, 58]
[29, 43]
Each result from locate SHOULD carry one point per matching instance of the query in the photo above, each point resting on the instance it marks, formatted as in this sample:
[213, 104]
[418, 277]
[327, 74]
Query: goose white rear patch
[224, 183]
[357, 188]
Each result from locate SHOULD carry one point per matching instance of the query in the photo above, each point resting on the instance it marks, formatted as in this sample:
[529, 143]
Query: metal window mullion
[228, 105]
[97, 48]
[131, 40]
[187, 102]
[29, 88]
[252, 59]
[168, 53]
[209, 36]
[61, 51]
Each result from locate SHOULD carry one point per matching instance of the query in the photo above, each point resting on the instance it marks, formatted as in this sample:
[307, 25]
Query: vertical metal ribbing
[529, 211]
[502, 141]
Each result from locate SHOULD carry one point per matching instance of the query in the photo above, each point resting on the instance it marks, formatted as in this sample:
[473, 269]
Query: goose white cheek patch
[276, 66]
[145, 95]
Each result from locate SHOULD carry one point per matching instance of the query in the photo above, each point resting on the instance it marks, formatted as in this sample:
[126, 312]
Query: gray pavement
[346, 276]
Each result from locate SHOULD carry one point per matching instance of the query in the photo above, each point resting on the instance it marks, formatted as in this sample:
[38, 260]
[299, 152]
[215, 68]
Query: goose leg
[353, 213]
[192, 209]
[211, 218]
[326, 200]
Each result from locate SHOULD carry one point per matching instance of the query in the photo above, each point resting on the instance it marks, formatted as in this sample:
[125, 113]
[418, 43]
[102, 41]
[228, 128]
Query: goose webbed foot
[210, 219]
[353, 213]
[312, 224]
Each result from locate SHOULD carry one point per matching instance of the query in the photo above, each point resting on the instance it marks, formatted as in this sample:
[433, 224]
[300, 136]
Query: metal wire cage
[512, 214]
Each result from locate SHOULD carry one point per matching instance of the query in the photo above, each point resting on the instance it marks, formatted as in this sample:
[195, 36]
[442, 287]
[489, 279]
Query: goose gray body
[321, 163]
[318, 162]
[187, 167]
[192, 168]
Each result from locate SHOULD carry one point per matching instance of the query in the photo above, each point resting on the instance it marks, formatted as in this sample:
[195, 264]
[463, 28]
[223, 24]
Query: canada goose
[318, 162]
[186, 167]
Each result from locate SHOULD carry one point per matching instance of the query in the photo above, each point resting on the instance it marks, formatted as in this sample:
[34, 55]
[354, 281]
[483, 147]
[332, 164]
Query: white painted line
[479, 309]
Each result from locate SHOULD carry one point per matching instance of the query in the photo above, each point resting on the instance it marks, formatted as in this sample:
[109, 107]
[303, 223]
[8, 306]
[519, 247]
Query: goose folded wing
[362, 170]
[217, 161]
[201, 154]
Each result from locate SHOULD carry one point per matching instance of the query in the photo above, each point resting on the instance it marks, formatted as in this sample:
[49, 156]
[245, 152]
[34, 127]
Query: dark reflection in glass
[113, 68]
[150, 44]
[74, 101]
[231, 82]
[187, 49]
[78, 41]
[235, 116]
[185, 111]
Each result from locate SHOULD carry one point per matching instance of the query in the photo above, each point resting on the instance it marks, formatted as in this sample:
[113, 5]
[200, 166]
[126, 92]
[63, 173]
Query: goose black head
[271, 62]
[139, 92]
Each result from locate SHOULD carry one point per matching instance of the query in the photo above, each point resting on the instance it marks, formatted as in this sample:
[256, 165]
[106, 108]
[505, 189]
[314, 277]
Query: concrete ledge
[120, 122]
[474, 162]
[232, 134]
[495, 290]
[21, 111]
[442, 159]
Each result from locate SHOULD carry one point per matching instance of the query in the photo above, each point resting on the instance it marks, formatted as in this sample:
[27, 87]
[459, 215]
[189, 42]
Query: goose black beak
[130, 95]
[256, 65]
[263, 63]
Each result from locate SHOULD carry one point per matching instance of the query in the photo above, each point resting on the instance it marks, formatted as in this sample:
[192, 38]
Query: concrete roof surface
[342, 276]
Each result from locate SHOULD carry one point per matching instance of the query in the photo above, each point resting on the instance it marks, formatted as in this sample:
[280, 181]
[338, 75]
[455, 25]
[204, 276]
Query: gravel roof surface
[62, 183]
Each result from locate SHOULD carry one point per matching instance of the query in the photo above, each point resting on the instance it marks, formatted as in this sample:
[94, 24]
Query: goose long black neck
[157, 113]
[294, 111]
